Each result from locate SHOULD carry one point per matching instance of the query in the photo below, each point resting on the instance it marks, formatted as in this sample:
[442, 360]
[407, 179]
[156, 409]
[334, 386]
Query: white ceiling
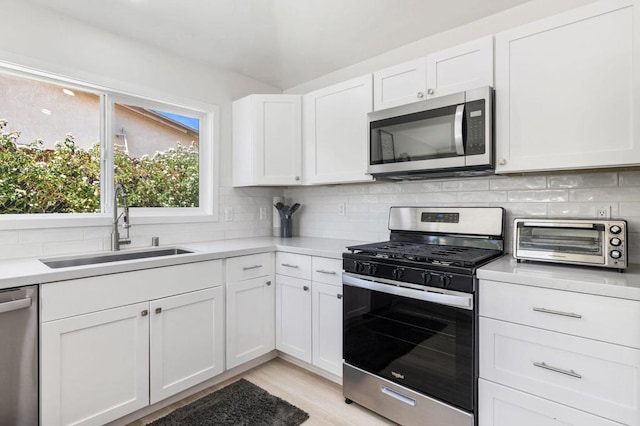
[279, 42]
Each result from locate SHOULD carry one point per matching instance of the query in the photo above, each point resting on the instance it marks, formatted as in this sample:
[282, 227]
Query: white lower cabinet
[309, 313]
[95, 367]
[293, 317]
[326, 312]
[250, 319]
[100, 362]
[186, 341]
[544, 359]
[503, 406]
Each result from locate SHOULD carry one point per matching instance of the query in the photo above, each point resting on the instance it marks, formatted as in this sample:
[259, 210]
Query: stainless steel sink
[111, 257]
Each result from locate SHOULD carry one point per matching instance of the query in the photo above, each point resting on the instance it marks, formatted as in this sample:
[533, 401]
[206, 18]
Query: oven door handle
[464, 301]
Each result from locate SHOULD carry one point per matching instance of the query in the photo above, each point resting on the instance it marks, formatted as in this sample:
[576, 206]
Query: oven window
[562, 240]
[421, 345]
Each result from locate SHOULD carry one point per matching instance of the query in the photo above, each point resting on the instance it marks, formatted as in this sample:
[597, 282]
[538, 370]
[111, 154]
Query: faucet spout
[116, 241]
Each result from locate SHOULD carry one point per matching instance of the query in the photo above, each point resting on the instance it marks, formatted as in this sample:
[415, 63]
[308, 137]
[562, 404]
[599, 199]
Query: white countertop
[581, 279]
[20, 272]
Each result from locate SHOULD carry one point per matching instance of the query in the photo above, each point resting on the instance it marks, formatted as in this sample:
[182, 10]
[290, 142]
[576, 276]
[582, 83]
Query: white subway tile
[420, 187]
[385, 188]
[608, 194]
[630, 178]
[630, 208]
[549, 195]
[503, 183]
[9, 238]
[436, 197]
[466, 185]
[483, 196]
[60, 248]
[586, 180]
[526, 209]
[29, 236]
[18, 251]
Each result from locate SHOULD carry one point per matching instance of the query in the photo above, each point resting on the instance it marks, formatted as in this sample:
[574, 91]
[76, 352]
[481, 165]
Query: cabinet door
[327, 327]
[336, 133]
[400, 84]
[460, 68]
[502, 406]
[267, 140]
[187, 341]
[95, 367]
[293, 317]
[567, 90]
[250, 319]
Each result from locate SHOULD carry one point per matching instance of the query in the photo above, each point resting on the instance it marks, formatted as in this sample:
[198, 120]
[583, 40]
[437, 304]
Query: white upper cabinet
[567, 88]
[400, 84]
[459, 68]
[267, 140]
[336, 133]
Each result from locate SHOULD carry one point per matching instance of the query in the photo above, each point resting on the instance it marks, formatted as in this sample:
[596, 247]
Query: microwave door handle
[457, 129]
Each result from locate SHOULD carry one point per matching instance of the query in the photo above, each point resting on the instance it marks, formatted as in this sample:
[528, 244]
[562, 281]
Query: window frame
[208, 154]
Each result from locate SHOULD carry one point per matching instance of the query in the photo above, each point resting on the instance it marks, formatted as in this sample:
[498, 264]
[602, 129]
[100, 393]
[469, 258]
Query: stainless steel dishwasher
[19, 356]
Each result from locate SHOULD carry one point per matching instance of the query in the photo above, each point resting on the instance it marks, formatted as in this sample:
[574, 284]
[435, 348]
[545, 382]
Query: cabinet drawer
[596, 317]
[246, 267]
[326, 270]
[499, 406]
[599, 378]
[293, 265]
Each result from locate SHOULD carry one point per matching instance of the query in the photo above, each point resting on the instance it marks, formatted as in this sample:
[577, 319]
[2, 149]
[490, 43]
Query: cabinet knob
[430, 92]
[158, 310]
[305, 288]
[502, 161]
[144, 313]
[339, 296]
[420, 95]
[268, 282]
[297, 177]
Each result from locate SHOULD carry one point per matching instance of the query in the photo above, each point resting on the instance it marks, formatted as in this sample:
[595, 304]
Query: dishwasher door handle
[14, 305]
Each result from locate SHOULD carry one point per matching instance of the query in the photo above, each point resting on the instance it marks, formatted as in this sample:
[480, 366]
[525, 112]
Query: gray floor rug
[240, 403]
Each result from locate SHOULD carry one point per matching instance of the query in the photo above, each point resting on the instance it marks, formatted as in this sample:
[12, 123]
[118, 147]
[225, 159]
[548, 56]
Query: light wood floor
[319, 397]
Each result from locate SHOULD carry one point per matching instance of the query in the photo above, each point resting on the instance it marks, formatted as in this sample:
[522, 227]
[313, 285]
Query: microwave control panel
[475, 117]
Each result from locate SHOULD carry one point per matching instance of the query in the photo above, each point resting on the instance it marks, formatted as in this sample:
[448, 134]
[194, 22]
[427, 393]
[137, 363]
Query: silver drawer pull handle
[287, 265]
[246, 268]
[564, 314]
[558, 370]
[397, 395]
[322, 271]
[14, 305]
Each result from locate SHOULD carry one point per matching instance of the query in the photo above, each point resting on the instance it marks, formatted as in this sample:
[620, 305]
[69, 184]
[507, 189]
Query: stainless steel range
[410, 320]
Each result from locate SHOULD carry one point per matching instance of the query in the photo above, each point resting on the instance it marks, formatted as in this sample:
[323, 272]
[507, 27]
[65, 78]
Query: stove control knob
[616, 254]
[397, 273]
[446, 281]
[359, 267]
[615, 229]
[426, 278]
[373, 269]
[615, 242]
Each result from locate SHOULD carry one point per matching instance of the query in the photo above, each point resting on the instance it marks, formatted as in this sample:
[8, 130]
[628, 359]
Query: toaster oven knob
[615, 242]
[615, 229]
[616, 254]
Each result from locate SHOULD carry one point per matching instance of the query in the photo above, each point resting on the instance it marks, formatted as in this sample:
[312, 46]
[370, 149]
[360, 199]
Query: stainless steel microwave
[572, 241]
[446, 136]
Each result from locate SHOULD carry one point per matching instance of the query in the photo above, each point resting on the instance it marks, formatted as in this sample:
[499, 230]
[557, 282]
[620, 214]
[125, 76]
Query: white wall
[38, 38]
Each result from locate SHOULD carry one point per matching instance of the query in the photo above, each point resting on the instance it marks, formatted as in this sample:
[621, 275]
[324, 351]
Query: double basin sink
[94, 259]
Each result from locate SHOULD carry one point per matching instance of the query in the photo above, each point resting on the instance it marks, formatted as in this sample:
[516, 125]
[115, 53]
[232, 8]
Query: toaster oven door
[568, 242]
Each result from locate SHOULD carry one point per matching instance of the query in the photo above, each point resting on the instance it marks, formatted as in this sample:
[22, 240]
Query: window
[63, 145]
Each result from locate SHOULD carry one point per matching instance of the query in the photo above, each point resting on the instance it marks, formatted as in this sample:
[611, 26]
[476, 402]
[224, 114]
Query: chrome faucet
[115, 235]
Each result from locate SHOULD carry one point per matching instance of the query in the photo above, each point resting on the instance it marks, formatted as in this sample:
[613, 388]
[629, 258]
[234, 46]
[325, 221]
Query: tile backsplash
[366, 206]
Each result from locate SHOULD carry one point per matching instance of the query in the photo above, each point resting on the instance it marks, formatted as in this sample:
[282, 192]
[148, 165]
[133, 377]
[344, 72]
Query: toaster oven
[572, 241]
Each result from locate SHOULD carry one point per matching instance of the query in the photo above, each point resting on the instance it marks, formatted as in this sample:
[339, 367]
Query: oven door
[419, 339]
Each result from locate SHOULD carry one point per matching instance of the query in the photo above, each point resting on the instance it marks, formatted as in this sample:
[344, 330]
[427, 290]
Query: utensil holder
[286, 227]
